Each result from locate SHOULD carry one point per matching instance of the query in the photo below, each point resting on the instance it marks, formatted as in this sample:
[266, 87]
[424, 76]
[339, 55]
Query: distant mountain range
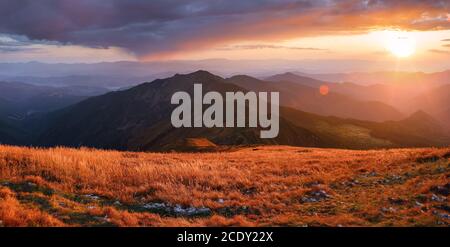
[303, 94]
[138, 118]
[386, 77]
[407, 92]
[127, 73]
[18, 100]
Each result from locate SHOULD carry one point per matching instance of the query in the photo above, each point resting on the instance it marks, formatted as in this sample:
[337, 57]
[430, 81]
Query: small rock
[441, 190]
[92, 196]
[154, 205]
[424, 209]
[312, 184]
[428, 159]
[191, 211]
[421, 198]
[388, 210]
[104, 218]
[351, 183]
[315, 196]
[372, 174]
[117, 203]
[418, 204]
[394, 179]
[440, 169]
[220, 200]
[31, 184]
[441, 215]
[396, 201]
[178, 209]
[249, 191]
[443, 207]
[437, 198]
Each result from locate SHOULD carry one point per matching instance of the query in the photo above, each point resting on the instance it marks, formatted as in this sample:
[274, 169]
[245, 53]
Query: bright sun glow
[400, 44]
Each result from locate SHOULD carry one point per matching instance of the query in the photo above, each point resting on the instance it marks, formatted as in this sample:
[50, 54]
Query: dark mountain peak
[422, 120]
[243, 78]
[180, 81]
[289, 74]
[201, 74]
[420, 116]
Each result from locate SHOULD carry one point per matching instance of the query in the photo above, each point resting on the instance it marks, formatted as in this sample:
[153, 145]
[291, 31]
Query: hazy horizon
[220, 66]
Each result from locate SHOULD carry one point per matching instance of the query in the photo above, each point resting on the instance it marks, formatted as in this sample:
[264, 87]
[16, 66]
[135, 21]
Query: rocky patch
[441, 190]
[315, 196]
[177, 210]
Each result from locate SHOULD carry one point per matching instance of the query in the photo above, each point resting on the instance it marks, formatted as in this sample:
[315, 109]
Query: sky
[412, 33]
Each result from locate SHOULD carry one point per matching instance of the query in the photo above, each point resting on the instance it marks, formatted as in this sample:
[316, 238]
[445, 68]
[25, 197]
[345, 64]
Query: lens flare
[324, 90]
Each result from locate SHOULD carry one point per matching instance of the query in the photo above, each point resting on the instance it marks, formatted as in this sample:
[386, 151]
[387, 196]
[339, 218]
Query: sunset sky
[415, 33]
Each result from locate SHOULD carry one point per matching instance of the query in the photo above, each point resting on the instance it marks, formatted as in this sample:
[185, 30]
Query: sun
[400, 44]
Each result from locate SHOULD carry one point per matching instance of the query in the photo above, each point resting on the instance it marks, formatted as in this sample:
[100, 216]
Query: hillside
[19, 100]
[436, 102]
[408, 92]
[139, 119]
[303, 94]
[12, 135]
[258, 186]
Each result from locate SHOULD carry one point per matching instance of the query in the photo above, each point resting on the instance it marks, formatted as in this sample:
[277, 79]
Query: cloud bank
[157, 28]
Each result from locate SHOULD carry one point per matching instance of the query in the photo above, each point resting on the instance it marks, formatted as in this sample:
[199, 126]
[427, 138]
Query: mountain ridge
[139, 119]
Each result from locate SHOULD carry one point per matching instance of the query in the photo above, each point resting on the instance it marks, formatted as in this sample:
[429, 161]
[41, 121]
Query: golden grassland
[255, 186]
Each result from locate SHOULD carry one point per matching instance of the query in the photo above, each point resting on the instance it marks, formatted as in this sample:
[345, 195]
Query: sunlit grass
[250, 186]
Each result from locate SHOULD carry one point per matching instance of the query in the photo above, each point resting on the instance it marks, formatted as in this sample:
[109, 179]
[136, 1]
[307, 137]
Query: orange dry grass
[12, 213]
[252, 186]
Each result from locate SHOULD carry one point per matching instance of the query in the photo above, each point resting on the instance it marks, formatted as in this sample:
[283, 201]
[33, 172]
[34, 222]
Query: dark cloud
[160, 26]
[9, 49]
[17, 43]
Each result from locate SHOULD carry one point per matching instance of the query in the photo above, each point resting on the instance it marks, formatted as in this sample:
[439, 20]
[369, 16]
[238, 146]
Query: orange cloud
[343, 18]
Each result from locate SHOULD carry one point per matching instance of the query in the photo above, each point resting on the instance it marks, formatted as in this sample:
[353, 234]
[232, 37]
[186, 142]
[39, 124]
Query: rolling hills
[19, 100]
[303, 94]
[139, 119]
[407, 92]
[10, 134]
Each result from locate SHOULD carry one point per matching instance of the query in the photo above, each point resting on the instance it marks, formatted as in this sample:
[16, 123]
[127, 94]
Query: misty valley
[139, 117]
